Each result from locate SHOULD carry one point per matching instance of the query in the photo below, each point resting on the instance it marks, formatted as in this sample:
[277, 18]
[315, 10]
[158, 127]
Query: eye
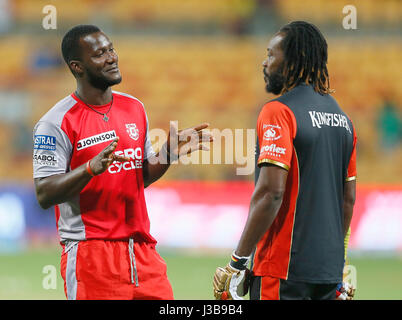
[99, 53]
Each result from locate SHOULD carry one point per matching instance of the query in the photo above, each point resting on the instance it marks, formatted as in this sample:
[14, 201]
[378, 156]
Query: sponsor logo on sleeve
[45, 159]
[273, 150]
[271, 132]
[132, 131]
[43, 142]
[96, 139]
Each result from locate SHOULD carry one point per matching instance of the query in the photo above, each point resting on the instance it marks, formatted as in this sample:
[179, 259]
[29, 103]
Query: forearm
[347, 218]
[264, 207]
[153, 172]
[60, 188]
[156, 166]
[349, 199]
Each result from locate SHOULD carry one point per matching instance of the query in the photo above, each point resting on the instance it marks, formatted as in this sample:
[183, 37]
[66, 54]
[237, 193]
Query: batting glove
[345, 291]
[231, 282]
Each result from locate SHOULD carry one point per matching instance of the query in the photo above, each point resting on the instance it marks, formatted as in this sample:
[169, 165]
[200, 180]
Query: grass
[22, 277]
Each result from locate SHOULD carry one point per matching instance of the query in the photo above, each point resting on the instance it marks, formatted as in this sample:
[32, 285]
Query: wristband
[89, 170]
[239, 263]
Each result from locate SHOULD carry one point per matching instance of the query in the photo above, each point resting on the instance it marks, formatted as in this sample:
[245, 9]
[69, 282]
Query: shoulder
[128, 97]
[275, 108]
[57, 113]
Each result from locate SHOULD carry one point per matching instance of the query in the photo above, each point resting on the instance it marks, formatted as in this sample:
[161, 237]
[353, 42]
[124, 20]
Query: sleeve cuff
[350, 178]
[277, 163]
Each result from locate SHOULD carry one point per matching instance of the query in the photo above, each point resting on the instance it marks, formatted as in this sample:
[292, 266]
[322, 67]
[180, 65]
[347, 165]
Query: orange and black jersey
[309, 135]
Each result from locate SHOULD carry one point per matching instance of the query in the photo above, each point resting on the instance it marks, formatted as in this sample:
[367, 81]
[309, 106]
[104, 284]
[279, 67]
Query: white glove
[231, 282]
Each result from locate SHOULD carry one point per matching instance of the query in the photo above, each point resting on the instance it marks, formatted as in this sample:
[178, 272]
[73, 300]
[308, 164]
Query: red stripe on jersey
[272, 256]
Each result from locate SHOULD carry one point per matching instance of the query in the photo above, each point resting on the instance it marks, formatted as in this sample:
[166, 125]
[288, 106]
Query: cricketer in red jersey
[92, 159]
[301, 208]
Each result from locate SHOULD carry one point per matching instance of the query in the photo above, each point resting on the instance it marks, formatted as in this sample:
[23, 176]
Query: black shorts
[269, 288]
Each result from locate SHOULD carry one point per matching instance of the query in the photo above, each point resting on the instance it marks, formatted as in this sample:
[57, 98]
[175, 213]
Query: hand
[181, 142]
[105, 158]
[230, 283]
[345, 291]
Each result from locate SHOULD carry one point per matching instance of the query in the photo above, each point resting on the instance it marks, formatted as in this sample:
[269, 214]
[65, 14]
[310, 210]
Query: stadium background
[195, 61]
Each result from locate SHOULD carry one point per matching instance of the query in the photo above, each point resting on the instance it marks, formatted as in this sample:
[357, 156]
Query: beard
[274, 82]
[102, 82]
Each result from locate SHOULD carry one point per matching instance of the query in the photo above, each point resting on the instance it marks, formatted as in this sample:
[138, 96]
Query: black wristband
[239, 263]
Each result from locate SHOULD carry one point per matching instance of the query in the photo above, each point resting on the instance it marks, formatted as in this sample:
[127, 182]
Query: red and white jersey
[112, 204]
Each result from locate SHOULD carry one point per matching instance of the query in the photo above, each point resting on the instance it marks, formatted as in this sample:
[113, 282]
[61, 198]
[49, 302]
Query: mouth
[113, 69]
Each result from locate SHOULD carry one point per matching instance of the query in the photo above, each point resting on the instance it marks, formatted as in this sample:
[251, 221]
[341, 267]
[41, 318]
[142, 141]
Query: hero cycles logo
[135, 163]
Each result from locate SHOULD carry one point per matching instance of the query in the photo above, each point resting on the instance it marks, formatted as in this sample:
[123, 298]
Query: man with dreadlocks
[302, 205]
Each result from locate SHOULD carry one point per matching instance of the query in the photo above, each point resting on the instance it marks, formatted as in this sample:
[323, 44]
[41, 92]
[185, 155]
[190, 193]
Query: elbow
[349, 200]
[273, 197]
[42, 199]
[276, 196]
[43, 203]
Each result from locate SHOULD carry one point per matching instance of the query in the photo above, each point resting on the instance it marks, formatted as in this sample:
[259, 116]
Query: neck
[94, 96]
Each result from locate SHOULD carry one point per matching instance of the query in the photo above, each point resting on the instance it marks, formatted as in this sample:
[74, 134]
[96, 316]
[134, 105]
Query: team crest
[132, 131]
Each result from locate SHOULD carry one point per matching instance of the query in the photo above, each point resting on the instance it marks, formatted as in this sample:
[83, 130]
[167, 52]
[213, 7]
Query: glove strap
[239, 263]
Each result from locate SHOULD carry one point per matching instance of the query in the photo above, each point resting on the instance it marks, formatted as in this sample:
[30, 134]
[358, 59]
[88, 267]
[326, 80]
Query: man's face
[99, 60]
[273, 66]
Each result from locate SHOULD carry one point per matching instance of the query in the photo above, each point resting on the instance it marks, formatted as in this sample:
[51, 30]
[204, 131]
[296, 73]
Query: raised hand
[182, 142]
[105, 158]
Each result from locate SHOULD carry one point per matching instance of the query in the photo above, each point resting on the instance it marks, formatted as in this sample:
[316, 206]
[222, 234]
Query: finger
[202, 147]
[193, 130]
[201, 126]
[111, 147]
[206, 138]
[120, 158]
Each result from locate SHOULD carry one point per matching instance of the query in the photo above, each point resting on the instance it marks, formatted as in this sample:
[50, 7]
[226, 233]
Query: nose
[265, 63]
[112, 57]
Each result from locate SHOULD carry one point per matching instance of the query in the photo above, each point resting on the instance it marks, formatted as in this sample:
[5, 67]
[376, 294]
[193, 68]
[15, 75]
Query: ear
[76, 67]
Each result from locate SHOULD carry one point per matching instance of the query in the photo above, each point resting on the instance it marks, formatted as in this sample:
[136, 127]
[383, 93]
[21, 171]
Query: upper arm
[352, 172]
[52, 150]
[349, 192]
[272, 180]
[276, 129]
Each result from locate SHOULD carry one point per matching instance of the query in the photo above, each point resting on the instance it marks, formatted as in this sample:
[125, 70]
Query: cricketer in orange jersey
[302, 205]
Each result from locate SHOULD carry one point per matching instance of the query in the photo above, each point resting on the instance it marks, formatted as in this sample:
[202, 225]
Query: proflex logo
[135, 163]
[96, 139]
[272, 149]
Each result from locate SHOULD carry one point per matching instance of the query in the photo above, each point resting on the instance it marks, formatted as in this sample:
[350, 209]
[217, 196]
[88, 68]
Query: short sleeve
[276, 129]
[52, 150]
[352, 172]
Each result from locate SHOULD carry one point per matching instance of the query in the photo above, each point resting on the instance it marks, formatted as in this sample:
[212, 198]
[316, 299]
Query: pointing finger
[111, 147]
[201, 126]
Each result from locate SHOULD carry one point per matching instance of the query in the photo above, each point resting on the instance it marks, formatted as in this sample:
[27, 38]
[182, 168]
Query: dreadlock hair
[306, 56]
